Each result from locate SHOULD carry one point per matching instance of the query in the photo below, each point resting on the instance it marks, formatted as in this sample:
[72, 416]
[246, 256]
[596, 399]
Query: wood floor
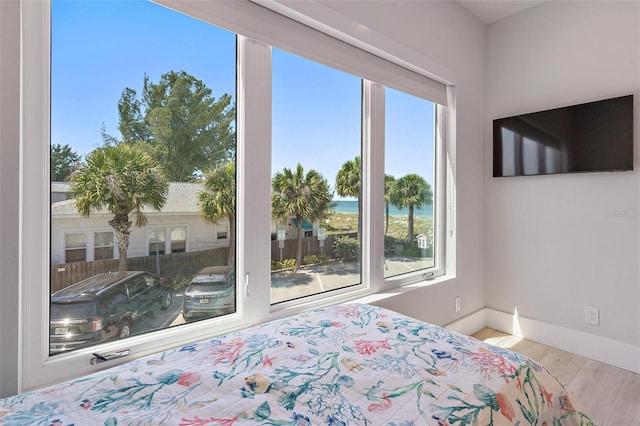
[610, 395]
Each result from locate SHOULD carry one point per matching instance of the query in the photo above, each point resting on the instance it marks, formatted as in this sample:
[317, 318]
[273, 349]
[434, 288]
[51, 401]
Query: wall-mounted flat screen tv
[591, 137]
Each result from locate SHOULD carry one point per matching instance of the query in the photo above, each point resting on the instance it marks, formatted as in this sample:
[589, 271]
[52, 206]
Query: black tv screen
[591, 137]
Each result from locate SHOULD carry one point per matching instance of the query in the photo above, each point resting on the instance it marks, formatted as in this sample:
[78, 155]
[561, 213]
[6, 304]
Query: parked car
[212, 292]
[102, 307]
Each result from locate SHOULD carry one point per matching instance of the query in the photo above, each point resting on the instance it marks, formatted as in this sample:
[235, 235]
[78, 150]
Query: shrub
[316, 259]
[389, 243]
[276, 265]
[346, 248]
[288, 264]
[310, 259]
[180, 282]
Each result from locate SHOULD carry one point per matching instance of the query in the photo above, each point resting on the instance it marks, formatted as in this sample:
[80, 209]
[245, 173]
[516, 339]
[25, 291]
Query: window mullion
[373, 180]
[254, 178]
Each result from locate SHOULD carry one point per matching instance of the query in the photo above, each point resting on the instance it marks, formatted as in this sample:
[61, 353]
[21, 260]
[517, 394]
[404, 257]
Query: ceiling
[489, 11]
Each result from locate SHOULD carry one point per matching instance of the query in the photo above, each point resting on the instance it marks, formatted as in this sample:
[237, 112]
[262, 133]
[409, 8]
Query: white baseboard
[469, 324]
[617, 354]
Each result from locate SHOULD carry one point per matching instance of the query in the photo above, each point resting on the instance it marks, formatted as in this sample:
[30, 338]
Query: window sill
[396, 291]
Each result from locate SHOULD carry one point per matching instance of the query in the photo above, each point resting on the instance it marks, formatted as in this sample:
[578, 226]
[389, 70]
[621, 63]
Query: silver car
[211, 293]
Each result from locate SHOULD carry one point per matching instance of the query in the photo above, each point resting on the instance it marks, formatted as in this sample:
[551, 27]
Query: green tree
[218, 201]
[295, 194]
[411, 191]
[121, 179]
[348, 180]
[180, 124]
[63, 162]
[389, 182]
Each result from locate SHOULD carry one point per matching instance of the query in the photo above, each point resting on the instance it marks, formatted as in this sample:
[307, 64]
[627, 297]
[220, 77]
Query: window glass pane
[179, 234]
[178, 240]
[103, 245]
[156, 241]
[316, 159]
[409, 183]
[76, 240]
[156, 235]
[142, 141]
[77, 255]
[103, 253]
[103, 239]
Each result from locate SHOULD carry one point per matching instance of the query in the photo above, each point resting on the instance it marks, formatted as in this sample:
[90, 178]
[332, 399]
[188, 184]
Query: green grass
[338, 223]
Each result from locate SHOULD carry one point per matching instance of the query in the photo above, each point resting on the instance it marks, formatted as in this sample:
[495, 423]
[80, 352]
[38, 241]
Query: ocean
[351, 206]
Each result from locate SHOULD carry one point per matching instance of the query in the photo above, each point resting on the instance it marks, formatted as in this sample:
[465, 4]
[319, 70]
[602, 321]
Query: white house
[176, 228]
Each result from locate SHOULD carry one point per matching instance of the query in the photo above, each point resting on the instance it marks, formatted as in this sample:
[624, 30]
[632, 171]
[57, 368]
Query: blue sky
[101, 47]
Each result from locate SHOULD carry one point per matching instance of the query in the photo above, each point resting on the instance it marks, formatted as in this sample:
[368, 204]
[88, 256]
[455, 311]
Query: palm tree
[348, 180]
[219, 201]
[411, 191]
[121, 179]
[295, 194]
[389, 182]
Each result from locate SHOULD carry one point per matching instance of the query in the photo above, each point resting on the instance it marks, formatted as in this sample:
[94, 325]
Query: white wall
[556, 244]
[451, 38]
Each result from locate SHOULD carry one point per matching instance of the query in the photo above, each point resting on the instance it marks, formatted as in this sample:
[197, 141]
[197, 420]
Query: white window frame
[253, 200]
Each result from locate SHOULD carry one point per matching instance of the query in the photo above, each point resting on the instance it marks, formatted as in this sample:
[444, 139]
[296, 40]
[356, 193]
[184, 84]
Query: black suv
[104, 306]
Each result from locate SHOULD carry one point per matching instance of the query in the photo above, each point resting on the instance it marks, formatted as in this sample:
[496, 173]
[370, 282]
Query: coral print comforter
[344, 365]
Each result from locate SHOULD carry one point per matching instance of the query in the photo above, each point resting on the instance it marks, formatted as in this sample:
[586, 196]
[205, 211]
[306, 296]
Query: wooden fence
[186, 264]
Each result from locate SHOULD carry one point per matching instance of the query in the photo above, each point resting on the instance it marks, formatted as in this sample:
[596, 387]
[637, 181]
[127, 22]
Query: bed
[349, 364]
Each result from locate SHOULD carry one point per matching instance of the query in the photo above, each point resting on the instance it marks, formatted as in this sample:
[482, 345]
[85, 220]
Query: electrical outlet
[592, 315]
[457, 304]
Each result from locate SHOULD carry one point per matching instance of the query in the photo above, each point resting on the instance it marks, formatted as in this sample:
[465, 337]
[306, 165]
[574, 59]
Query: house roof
[182, 198]
[61, 187]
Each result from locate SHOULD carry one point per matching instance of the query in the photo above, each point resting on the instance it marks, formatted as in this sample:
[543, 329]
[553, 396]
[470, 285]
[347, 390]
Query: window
[178, 239]
[221, 232]
[136, 286]
[316, 146]
[75, 247]
[302, 91]
[156, 241]
[149, 154]
[88, 246]
[409, 183]
[103, 245]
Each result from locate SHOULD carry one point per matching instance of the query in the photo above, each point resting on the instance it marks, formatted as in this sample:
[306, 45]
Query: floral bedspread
[343, 365]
